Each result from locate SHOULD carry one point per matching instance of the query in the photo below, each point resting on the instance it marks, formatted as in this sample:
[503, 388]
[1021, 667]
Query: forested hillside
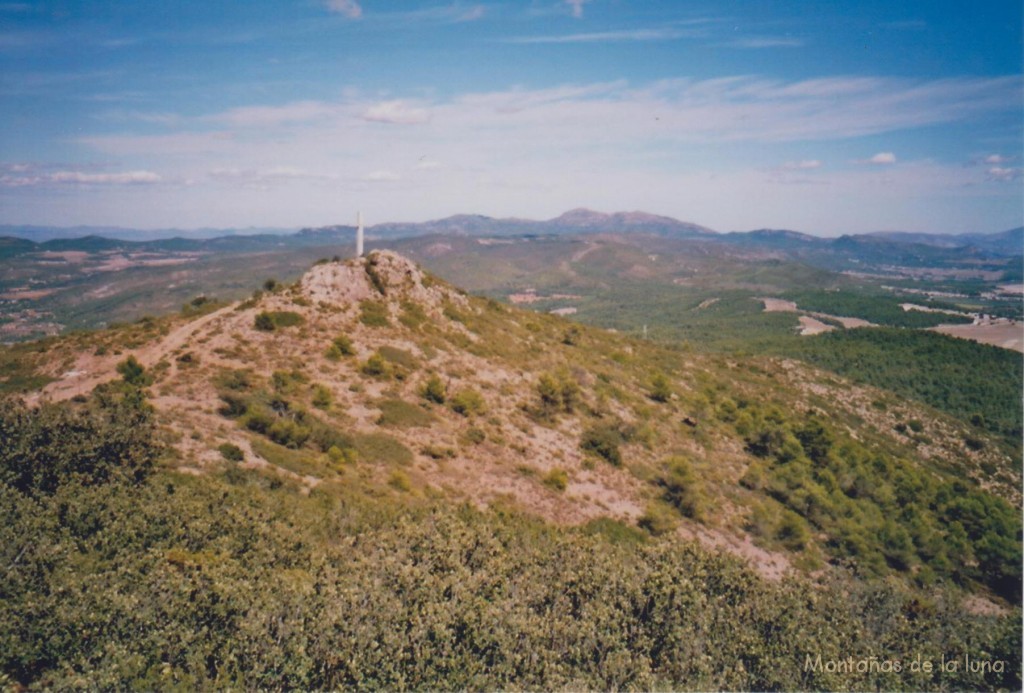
[977, 383]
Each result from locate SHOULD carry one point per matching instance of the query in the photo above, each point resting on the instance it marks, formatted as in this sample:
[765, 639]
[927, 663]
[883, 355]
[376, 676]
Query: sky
[822, 117]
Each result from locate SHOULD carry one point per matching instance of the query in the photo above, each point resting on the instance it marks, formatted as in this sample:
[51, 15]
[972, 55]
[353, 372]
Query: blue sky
[827, 118]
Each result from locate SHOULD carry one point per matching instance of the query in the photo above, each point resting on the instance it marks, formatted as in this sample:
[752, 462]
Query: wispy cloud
[576, 7]
[396, 112]
[382, 176]
[804, 165]
[669, 111]
[880, 159]
[347, 8]
[756, 42]
[80, 178]
[611, 36]
[1004, 174]
[472, 14]
[453, 13]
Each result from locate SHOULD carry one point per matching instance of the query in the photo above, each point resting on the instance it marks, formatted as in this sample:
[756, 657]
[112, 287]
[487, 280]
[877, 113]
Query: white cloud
[348, 8]
[611, 36]
[382, 176]
[577, 7]
[764, 42]
[881, 159]
[804, 165]
[1004, 174]
[264, 177]
[471, 14]
[81, 178]
[396, 112]
[995, 159]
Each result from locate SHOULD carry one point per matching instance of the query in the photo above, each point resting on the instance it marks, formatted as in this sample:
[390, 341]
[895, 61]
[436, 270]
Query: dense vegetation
[119, 576]
[977, 383]
[879, 512]
[881, 309]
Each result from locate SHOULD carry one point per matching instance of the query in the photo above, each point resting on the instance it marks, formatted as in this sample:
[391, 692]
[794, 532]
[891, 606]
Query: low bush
[556, 479]
[231, 452]
[434, 390]
[376, 367]
[603, 440]
[467, 402]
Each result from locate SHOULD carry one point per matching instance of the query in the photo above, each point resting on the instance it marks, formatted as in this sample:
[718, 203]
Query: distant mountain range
[572, 222]
[40, 234]
[897, 246]
[1004, 243]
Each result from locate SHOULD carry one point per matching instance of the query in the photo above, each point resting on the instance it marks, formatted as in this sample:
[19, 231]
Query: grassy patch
[301, 462]
[402, 414]
[382, 449]
[374, 314]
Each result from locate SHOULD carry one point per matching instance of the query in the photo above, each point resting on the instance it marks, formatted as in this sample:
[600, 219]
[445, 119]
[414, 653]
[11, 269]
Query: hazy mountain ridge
[40, 234]
[576, 221]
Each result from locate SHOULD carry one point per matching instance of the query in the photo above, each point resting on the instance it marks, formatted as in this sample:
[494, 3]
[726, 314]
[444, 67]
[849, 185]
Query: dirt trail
[82, 380]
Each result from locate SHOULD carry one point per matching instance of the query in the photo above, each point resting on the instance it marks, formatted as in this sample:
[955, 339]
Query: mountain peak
[581, 216]
[382, 273]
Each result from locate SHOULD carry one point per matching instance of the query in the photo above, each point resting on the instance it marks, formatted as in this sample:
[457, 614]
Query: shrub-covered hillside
[369, 478]
[117, 574]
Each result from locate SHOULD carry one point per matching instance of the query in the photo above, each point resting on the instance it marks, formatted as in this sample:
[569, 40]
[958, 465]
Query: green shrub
[322, 397]
[372, 270]
[264, 322]
[376, 367]
[558, 393]
[792, 531]
[288, 432]
[681, 487]
[467, 402]
[434, 389]
[231, 452]
[288, 382]
[400, 481]
[475, 436]
[603, 441]
[661, 388]
[333, 353]
[286, 318]
[234, 379]
[133, 372]
[344, 345]
[657, 519]
[556, 479]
